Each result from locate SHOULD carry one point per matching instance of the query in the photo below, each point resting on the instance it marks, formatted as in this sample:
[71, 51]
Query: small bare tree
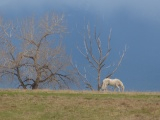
[97, 61]
[32, 53]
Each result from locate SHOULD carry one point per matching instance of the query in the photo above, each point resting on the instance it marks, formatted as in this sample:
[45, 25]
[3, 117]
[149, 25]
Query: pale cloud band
[147, 9]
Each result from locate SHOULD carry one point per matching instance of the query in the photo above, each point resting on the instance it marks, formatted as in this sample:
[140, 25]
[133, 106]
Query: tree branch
[119, 63]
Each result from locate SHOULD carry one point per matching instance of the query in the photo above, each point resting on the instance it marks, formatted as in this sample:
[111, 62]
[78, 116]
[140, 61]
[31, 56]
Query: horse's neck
[109, 82]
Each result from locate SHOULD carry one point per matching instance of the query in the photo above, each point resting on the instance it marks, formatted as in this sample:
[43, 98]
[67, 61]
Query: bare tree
[32, 53]
[97, 61]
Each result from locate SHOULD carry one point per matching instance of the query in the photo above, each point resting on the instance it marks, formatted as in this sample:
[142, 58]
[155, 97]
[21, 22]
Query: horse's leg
[121, 88]
[115, 88]
[118, 88]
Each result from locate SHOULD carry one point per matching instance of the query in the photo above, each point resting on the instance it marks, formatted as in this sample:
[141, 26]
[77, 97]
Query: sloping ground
[78, 105]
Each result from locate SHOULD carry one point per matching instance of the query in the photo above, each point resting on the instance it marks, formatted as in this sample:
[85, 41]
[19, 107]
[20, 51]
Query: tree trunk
[99, 82]
[35, 86]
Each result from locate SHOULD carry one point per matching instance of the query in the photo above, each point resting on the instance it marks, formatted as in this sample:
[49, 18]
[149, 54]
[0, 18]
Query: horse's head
[103, 86]
[105, 82]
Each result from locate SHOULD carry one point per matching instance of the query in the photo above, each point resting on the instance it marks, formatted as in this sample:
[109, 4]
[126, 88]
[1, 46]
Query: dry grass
[78, 105]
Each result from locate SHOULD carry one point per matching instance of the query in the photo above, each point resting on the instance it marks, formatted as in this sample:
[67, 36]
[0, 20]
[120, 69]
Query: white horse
[112, 82]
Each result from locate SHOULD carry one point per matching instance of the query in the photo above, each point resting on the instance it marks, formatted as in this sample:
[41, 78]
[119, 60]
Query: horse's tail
[122, 86]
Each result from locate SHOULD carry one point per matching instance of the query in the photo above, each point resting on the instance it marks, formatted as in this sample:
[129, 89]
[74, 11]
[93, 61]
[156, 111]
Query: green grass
[78, 105]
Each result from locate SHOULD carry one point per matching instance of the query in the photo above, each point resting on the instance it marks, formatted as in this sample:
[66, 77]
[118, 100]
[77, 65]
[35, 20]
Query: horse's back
[117, 81]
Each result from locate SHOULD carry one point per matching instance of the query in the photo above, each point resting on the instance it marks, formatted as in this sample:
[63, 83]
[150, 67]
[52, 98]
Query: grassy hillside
[78, 105]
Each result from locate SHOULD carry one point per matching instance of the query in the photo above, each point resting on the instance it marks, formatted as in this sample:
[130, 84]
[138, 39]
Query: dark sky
[134, 23]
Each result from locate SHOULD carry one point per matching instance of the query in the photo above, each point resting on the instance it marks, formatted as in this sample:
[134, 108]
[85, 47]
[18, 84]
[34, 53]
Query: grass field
[78, 105]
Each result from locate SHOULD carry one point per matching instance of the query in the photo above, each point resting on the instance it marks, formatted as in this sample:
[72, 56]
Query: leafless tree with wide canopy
[32, 54]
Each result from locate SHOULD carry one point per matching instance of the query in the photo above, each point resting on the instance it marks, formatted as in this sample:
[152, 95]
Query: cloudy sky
[134, 23]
